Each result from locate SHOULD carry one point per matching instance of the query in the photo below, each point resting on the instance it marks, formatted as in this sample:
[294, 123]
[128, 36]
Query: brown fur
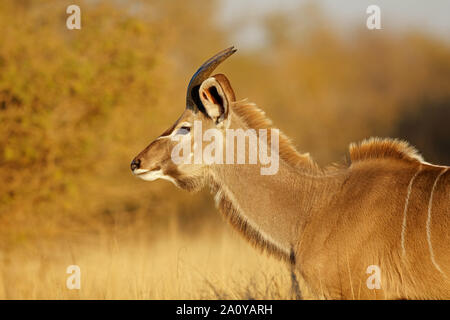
[376, 148]
[255, 118]
[394, 159]
[234, 217]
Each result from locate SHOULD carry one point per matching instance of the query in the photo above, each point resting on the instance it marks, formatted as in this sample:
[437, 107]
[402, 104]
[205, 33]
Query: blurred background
[77, 105]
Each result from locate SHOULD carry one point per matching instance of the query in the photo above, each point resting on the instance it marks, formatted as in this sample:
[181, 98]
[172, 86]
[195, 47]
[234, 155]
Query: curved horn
[192, 95]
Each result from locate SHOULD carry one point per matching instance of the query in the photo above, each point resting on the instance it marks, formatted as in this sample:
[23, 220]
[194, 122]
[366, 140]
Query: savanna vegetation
[77, 105]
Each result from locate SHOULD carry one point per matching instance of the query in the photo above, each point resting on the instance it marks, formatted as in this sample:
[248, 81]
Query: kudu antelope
[387, 208]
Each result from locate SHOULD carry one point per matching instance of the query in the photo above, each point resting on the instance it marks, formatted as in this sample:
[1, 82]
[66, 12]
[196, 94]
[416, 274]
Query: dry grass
[208, 266]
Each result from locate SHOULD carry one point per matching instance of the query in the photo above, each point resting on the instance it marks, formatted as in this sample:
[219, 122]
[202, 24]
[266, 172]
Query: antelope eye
[184, 130]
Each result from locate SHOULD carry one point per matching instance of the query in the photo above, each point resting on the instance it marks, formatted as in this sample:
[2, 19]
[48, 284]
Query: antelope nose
[135, 164]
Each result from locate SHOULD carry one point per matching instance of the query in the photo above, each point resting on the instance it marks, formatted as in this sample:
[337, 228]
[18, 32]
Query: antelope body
[388, 208]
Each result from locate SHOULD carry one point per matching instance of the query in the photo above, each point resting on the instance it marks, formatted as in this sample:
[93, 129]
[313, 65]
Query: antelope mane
[377, 148]
[255, 118]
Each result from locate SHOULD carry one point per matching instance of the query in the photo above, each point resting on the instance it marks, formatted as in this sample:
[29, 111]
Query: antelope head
[208, 102]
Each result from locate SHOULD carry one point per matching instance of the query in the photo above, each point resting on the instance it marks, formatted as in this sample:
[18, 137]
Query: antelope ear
[216, 96]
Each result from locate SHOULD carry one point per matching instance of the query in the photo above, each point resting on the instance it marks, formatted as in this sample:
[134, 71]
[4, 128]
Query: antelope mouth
[138, 172]
[151, 174]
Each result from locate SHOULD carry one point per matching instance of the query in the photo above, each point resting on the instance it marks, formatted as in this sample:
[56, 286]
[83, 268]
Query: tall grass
[210, 265]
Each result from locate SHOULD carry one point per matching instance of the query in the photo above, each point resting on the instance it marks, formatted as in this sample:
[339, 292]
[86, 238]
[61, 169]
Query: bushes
[61, 91]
